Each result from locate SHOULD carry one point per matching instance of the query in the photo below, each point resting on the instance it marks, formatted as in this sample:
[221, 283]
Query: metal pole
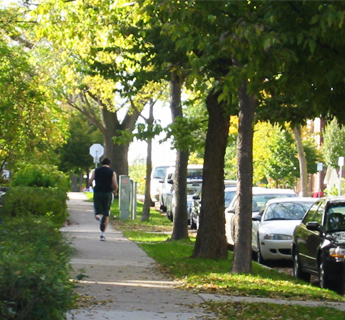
[340, 164]
[340, 175]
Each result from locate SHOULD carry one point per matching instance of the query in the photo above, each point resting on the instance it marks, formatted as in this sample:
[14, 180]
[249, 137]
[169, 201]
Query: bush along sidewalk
[34, 270]
[34, 256]
[38, 190]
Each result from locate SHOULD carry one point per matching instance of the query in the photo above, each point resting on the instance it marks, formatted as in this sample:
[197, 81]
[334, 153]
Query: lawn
[214, 276]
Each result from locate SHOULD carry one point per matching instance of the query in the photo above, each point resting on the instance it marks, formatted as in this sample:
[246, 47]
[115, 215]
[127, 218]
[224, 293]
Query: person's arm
[92, 178]
[115, 185]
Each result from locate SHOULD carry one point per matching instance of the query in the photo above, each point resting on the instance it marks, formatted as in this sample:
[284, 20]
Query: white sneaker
[102, 238]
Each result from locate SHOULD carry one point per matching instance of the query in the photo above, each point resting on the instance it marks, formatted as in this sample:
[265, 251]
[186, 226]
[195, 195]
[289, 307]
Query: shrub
[34, 270]
[22, 201]
[45, 176]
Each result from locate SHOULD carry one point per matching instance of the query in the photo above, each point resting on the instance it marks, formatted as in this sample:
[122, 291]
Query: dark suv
[318, 246]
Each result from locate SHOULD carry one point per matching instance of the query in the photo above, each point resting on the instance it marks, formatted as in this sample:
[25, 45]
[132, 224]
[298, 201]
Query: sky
[160, 152]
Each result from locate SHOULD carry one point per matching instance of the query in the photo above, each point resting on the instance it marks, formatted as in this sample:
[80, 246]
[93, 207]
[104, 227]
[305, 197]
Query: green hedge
[34, 270]
[45, 176]
[22, 201]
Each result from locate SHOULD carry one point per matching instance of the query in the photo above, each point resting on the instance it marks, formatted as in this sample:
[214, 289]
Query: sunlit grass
[212, 275]
[265, 311]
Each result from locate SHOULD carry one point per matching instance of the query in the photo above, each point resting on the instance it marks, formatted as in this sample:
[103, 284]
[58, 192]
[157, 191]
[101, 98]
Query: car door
[310, 240]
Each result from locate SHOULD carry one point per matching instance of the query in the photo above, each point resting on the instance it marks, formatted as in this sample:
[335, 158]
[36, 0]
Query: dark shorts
[102, 202]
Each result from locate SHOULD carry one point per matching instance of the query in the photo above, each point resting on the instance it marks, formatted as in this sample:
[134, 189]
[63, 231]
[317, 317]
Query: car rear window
[259, 200]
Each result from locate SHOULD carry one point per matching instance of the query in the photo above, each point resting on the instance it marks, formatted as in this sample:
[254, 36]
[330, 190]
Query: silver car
[260, 197]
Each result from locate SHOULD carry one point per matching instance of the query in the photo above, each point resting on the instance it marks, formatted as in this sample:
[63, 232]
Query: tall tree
[73, 156]
[333, 146]
[31, 122]
[182, 154]
[96, 69]
[302, 160]
[218, 127]
[167, 62]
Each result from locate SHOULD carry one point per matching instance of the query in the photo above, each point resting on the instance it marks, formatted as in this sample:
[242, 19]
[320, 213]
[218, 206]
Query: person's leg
[104, 223]
[97, 204]
[107, 200]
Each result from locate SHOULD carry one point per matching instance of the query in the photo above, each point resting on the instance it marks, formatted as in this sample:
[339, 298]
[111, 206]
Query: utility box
[125, 197]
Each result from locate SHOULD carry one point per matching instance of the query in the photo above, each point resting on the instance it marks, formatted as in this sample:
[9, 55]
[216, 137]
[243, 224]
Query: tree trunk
[81, 180]
[148, 201]
[180, 229]
[110, 126]
[118, 153]
[302, 161]
[242, 262]
[211, 240]
[74, 182]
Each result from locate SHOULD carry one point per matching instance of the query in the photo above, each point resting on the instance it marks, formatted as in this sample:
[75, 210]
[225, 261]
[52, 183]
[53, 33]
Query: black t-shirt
[103, 179]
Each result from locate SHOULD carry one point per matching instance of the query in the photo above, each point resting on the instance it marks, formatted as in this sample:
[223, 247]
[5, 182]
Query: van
[165, 188]
[157, 175]
[194, 181]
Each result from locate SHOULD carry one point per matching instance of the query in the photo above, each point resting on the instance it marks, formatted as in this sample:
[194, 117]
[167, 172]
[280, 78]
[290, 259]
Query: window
[315, 213]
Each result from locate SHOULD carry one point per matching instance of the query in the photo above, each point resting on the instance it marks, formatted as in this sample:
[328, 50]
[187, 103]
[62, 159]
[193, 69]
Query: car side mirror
[230, 211]
[170, 181]
[257, 218]
[196, 198]
[313, 226]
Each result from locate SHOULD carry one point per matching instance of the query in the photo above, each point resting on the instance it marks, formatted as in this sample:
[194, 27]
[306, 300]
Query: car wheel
[340, 285]
[325, 283]
[259, 257]
[297, 271]
[169, 214]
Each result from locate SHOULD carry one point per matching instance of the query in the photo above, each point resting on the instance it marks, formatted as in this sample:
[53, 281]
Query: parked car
[260, 197]
[192, 187]
[157, 174]
[318, 246]
[273, 227]
[194, 176]
[229, 194]
[165, 188]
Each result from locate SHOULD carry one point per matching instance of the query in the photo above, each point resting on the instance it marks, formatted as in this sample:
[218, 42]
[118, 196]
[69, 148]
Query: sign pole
[340, 164]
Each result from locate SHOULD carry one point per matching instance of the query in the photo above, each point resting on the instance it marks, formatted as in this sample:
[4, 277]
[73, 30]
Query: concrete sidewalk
[121, 277]
[124, 282]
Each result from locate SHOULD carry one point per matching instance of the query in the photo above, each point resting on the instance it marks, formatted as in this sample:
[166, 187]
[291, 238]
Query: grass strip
[266, 311]
[214, 276]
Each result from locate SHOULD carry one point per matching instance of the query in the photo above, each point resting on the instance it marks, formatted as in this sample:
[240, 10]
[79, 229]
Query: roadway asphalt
[122, 282]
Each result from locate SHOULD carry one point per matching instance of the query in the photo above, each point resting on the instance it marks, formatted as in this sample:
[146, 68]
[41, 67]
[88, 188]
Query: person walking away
[104, 191]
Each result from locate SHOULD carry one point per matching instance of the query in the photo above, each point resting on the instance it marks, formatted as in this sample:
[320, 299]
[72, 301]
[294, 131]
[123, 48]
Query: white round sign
[96, 150]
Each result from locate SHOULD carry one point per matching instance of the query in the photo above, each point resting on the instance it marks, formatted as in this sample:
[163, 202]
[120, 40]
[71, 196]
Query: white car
[158, 174]
[166, 187]
[273, 227]
[260, 197]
